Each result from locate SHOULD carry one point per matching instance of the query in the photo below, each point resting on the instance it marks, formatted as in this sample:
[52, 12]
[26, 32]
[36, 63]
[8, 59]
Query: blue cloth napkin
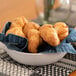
[20, 44]
[13, 41]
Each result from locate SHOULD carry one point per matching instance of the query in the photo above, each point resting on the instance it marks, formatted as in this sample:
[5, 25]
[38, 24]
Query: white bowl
[33, 59]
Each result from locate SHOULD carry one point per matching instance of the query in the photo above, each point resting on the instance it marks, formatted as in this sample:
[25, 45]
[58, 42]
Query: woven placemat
[9, 67]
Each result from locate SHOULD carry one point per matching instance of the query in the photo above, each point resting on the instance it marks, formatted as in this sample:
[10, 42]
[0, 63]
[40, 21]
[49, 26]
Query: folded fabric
[46, 48]
[13, 41]
[65, 47]
[7, 26]
[72, 36]
[3, 37]
[20, 44]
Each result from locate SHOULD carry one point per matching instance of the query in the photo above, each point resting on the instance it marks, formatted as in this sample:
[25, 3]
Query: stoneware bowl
[32, 59]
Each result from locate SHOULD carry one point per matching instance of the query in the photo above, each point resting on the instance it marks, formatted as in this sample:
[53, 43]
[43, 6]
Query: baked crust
[62, 30]
[49, 35]
[30, 25]
[16, 31]
[33, 40]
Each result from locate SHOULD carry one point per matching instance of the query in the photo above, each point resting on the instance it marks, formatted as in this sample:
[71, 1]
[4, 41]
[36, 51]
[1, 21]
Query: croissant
[16, 31]
[33, 40]
[62, 30]
[49, 35]
[30, 25]
[19, 22]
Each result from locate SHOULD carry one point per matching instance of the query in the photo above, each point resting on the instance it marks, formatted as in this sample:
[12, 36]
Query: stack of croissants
[36, 34]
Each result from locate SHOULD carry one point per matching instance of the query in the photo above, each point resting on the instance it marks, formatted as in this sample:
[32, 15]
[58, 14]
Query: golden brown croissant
[19, 22]
[62, 30]
[30, 25]
[16, 31]
[49, 35]
[13, 24]
[33, 40]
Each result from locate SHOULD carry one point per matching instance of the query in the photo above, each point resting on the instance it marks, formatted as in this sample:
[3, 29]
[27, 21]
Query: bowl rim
[35, 53]
[7, 49]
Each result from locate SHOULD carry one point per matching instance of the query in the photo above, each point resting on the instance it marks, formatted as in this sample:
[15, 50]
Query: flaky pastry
[49, 35]
[19, 22]
[62, 30]
[16, 31]
[33, 40]
[30, 25]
